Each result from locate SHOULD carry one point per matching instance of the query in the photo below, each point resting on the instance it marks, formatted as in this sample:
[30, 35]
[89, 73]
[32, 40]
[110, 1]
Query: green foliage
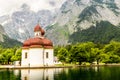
[89, 52]
[56, 49]
[17, 55]
[8, 55]
[103, 32]
[62, 54]
[93, 54]
[8, 42]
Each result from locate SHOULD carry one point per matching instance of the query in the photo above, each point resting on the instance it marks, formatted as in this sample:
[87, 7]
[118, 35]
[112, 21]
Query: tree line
[89, 52]
[74, 53]
[9, 55]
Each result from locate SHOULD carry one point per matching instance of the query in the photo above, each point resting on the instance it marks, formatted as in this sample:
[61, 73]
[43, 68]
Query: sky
[9, 6]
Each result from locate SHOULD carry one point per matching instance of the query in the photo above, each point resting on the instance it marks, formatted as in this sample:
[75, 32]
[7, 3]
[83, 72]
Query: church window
[47, 55]
[37, 34]
[26, 55]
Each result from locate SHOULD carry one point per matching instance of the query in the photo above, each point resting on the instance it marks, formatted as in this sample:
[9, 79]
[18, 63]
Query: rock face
[2, 33]
[78, 15]
[6, 41]
[19, 25]
[73, 16]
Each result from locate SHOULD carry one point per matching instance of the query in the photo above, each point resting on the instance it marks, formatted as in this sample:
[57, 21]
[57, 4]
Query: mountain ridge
[20, 24]
[73, 16]
[82, 14]
[5, 41]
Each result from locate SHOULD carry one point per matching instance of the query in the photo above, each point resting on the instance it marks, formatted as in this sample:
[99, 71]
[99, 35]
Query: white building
[37, 51]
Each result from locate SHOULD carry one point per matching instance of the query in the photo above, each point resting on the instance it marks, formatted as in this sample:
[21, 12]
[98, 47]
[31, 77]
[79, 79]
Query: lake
[76, 73]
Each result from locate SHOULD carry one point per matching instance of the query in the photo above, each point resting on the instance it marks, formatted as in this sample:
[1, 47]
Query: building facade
[37, 51]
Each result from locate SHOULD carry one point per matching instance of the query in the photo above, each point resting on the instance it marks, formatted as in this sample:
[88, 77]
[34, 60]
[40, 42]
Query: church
[37, 51]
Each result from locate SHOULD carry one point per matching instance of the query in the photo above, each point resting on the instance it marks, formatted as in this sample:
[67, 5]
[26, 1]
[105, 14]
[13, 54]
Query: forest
[78, 53]
[89, 52]
[9, 55]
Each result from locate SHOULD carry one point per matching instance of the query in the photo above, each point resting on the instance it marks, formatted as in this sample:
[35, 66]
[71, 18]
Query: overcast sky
[8, 6]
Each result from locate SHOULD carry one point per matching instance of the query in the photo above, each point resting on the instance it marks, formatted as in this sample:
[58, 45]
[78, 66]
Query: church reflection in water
[38, 74]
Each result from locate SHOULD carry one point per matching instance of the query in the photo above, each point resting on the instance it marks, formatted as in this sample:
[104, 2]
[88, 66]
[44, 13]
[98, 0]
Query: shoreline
[49, 67]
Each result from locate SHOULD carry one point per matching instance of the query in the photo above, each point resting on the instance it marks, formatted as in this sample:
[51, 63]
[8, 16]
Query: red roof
[38, 42]
[42, 32]
[38, 28]
[26, 43]
[47, 42]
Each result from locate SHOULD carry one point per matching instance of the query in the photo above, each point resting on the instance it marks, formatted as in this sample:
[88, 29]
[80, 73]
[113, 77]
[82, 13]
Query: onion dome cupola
[39, 32]
[47, 43]
[39, 41]
[36, 42]
[26, 43]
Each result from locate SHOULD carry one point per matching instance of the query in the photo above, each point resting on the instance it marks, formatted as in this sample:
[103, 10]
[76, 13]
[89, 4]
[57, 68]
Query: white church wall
[37, 33]
[24, 60]
[36, 57]
[48, 61]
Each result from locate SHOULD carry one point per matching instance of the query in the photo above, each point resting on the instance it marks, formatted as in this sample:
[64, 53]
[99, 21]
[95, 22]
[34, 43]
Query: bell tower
[38, 31]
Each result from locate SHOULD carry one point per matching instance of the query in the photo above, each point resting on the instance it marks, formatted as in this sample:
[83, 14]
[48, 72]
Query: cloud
[8, 6]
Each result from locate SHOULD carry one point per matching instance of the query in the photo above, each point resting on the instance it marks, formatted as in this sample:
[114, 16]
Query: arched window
[37, 34]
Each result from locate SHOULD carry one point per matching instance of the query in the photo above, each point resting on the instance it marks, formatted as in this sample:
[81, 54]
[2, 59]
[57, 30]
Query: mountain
[102, 32]
[7, 42]
[86, 20]
[19, 25]
[75, 21]
[2, 32]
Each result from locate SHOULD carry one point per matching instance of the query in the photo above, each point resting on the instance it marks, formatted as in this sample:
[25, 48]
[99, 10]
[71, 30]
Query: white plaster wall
[36, 57]
[38, 33]
[24, 62]
[50, 60]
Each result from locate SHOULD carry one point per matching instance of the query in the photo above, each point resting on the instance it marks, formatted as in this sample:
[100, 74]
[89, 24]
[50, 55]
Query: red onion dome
[42, 32]
[26, 43]
[36, 41]
[37, 28]
[48, 47]
[47, 43]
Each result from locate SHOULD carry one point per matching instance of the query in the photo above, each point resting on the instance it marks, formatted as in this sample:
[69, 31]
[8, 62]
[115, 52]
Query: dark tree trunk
[80, 63]
[97, 62]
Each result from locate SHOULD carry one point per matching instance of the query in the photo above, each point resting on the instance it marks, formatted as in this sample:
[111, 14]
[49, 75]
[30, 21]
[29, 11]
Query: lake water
[81, 73]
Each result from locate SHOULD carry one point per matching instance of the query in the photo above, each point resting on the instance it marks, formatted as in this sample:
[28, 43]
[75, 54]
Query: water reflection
[77, 73]
[38, 74]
